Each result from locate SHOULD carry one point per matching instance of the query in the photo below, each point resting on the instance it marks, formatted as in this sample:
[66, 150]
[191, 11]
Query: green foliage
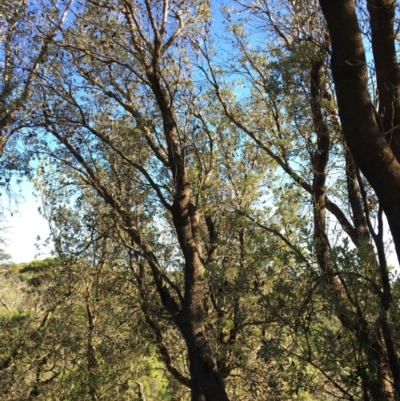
[291, 272]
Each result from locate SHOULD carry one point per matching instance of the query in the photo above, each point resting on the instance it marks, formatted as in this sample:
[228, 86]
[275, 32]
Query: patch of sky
[24, 229]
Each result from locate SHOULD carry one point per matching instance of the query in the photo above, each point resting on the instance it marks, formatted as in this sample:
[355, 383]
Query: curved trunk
[362, 126]
[360, 121]
[348, 310]
[383, 36]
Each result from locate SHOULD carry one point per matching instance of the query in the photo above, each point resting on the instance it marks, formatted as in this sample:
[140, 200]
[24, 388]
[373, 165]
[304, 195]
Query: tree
[372, 135]
[24, 26]
[213, 179]
[290, 113]
[143, 61]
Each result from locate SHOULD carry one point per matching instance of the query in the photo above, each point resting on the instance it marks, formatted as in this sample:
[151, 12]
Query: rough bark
[206, 380]
[320, 161]
[361, 123]
[348, 310]
[382, 14]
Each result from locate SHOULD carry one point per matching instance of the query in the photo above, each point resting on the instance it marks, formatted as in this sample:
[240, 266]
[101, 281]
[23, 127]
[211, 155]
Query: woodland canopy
[218, 178]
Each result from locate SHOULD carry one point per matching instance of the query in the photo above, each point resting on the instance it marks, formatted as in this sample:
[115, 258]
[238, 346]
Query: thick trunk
[382, 14]
[206, 381]
[320, 161]
[360, 122]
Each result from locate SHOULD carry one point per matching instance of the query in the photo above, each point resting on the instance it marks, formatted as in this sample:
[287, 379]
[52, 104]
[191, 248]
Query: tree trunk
[361, 123]
[347, 309]
[382, 14]
[206, 381]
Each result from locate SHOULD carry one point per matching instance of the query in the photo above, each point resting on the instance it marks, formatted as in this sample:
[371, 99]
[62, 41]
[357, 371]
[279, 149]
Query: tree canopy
[216, 178]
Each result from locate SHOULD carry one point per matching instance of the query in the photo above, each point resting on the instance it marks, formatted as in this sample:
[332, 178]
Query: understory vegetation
[222, 186]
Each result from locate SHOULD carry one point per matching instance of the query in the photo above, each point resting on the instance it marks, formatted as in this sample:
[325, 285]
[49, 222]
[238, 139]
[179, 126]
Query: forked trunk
[206, 381]
[363, 127]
